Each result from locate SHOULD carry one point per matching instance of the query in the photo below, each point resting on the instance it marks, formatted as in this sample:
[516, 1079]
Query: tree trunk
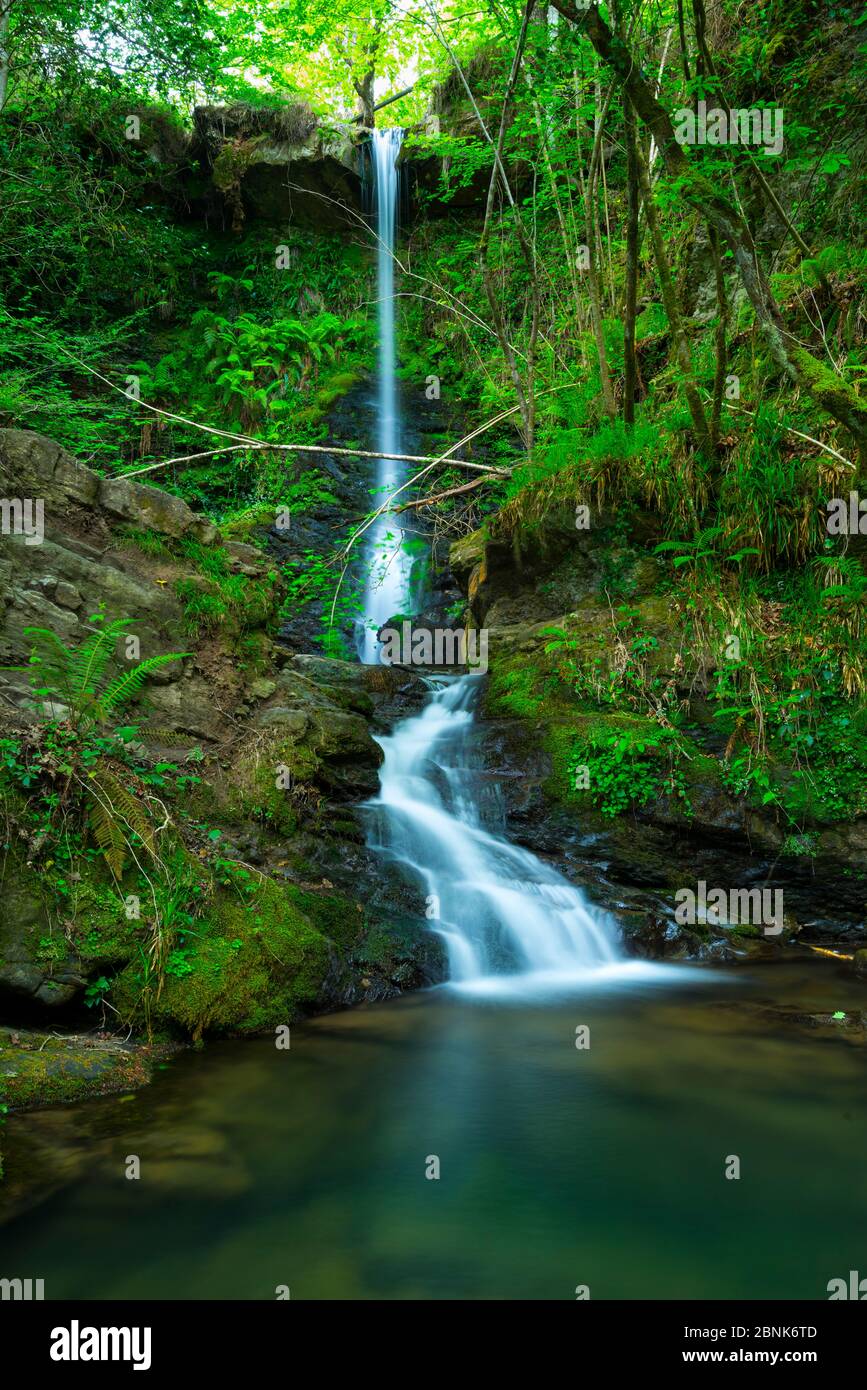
[525, 399]
[719, 379]
[364, 89]
[819, 381]
[588, 194]
[682, 348]
[5, 12]
[630, 378]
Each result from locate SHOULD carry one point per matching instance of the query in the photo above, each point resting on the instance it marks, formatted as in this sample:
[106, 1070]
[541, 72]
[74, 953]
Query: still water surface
[559, 1167]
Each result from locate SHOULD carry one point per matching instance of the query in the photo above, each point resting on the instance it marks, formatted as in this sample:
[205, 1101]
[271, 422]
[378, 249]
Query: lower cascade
[500, 909]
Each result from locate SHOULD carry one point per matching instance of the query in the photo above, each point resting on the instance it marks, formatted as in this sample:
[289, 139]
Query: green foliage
[220, 599]
[79, 677]
[630, 768]
[81, 695]
[250, 373]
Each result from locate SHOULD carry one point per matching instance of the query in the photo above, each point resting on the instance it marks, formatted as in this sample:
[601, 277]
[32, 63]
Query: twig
[820, 444]
[440, 496]
[303, 449]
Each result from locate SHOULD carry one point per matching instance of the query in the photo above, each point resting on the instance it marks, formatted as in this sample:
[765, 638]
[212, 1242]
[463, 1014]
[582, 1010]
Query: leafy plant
[630, 768]
[79, 676]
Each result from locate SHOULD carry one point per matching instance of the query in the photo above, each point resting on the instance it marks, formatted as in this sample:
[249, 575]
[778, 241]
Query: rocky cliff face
[536, 586]
[273, 753]
[279, 164]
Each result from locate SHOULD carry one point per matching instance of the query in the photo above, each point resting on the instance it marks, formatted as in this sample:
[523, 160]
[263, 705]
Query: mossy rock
[101, 932]
[35, 959]
[334, 915]
[272, 780]
[42, 1069]
[250, 966]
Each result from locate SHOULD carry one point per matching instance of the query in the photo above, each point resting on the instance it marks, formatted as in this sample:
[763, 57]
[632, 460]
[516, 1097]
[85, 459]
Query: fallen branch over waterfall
[316, 449]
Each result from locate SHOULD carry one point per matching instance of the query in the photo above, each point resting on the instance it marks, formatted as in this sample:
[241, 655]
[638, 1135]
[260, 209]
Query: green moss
[101, 931]
[513, 690]
[246, 967]
[254, 791]
[39, 1069]
[337, 917]
[336, 386]
[242, 525]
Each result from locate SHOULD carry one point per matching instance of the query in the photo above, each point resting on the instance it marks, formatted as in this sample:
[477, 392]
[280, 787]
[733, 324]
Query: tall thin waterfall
[388, 565]
[504, 914]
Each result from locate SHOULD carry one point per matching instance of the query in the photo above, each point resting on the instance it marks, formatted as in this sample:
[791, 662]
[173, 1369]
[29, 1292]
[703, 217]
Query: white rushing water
[504, 914]
[388, 565]
[510, 921]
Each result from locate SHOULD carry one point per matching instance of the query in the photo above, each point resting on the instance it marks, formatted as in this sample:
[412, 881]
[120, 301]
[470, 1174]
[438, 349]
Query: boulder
[280, 164]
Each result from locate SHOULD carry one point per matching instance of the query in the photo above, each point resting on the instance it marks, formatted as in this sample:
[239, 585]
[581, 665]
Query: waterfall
[388, 565]
[503, 913]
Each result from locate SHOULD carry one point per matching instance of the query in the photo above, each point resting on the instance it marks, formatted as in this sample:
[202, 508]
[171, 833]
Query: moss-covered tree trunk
[817, 380]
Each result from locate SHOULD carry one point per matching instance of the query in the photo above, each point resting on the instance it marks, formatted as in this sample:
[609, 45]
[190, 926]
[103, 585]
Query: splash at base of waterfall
[546, 986]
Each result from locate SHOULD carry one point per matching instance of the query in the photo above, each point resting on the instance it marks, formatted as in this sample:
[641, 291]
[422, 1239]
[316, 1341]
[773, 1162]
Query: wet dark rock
[279, 164]
[316, 535]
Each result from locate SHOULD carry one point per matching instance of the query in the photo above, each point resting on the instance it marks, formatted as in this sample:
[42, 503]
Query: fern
[114, 816]
[89, 661]
[108, 835]
[129, 683]
[49, 655]
[76, 675]
[125, 805]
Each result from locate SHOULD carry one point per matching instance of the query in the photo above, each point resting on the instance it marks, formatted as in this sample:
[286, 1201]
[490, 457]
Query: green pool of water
[558, 1167]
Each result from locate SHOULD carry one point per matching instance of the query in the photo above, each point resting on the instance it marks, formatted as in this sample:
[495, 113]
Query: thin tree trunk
[824, 385]
[588, 190]
[684, 50]
[524, 402]
[720, 349]
[630, 379]
[568, 246]
[707, 65]
[364, 92]
[682, 348]
[5, 12]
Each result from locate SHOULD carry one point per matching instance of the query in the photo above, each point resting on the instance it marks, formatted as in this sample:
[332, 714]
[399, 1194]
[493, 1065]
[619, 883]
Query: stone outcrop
[278, 749]
[525, 588]
[90, 561]
[279, 164]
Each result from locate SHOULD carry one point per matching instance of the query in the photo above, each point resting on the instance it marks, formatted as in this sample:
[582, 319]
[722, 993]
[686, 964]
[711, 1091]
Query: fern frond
[129, 683]
[92, 657]
[124, 806]
[53, 660]
[167, 738]
[108, 835]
